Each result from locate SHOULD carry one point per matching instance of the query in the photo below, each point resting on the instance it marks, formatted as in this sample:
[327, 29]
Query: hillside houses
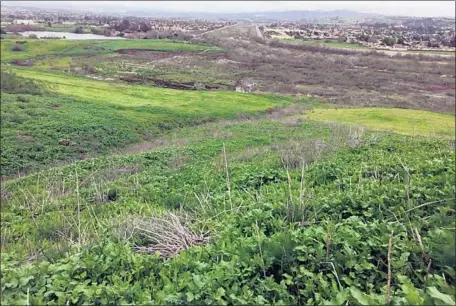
[375, 35]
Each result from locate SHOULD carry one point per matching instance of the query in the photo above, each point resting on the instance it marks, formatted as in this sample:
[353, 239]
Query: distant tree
[2, 31]
[342, 39]
[79, 30]
[400, 40]
[144, 27]
[373, 39]
[389, 41]
[49, 24]
[123, 26]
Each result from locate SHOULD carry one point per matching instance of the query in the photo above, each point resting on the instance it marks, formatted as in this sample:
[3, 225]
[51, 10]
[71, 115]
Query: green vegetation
[404, 121]
[279, 232]
[135, 194]
[91, 116]
[14, 84]
[62, 47]
[325, 43]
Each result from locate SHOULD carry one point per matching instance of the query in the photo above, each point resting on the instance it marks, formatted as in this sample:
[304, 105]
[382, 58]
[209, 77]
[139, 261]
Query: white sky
[406, 8]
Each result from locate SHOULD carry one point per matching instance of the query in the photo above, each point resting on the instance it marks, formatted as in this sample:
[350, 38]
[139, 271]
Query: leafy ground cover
[404, 121]
[293, 211]
[82, 117]
[31, 48]
[270, 209]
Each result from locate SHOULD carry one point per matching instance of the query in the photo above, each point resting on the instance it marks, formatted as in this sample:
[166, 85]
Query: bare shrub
[328, 50]
[14, 84]
[22, 62]
[168, 235]
[23, 28]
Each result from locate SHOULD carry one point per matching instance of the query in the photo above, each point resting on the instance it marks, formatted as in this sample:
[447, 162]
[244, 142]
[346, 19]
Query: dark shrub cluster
[14, 84]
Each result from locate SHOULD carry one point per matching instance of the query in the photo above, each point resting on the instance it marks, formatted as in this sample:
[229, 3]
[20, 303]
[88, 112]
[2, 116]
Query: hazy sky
[408, 8]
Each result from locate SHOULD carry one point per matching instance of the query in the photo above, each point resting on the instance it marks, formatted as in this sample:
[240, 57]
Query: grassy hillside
[134, 194]
[81, 117]
[61, 47]
[404, 121]
[283, 205]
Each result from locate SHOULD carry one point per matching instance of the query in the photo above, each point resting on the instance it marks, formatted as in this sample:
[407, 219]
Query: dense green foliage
[294, 211]
[311, 235]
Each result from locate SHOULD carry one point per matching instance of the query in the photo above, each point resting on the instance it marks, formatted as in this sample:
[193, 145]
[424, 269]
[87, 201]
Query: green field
[404, 121]
[61, 47]
[98, 116]
[125, 193]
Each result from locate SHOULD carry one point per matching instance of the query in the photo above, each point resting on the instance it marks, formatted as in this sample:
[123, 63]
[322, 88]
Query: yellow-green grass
[203, 102]
[100, 117]
[403, 121]
[63, 47]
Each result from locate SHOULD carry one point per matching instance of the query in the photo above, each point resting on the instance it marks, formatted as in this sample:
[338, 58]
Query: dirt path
[259, 34]
[219, 29]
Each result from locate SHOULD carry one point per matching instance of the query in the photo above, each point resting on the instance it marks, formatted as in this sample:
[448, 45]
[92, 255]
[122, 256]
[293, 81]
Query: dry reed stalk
[227, 176]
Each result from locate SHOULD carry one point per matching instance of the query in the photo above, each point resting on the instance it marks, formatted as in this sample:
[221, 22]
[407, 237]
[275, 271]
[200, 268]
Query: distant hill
[299, 15]
[257, 16]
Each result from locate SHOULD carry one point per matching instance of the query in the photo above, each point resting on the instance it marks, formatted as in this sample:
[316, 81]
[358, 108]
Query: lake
[67, 35]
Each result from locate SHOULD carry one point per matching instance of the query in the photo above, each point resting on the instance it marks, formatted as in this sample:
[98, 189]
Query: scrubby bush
[79, 30]
[16, 48]
[14, 84]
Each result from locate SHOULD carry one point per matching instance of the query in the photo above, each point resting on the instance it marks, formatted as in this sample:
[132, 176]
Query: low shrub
[14, 84]
[16, 48]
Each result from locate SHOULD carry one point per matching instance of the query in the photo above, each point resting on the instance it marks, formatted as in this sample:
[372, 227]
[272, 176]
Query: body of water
[67, 35]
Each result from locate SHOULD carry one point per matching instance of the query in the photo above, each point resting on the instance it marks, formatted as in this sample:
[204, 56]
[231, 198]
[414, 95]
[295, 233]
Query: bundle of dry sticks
[167, 235]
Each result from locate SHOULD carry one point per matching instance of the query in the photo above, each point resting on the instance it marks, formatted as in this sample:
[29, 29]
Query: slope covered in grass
[61, 47]
[294, 212]
[81, 117]
[404, 121]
